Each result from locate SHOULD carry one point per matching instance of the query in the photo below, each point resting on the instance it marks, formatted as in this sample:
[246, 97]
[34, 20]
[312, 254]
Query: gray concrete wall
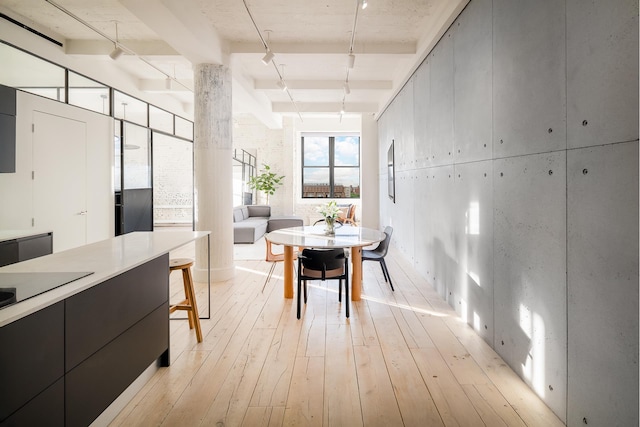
[516, 158]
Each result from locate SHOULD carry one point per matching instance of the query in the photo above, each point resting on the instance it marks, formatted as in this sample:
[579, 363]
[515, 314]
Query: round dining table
[346, 236]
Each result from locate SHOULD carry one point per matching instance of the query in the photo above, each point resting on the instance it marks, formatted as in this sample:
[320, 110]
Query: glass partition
[160, 119]
[87, 93]
[129, 108]
[172, 180]
[136, 157]
[31, 74]
[184, 128]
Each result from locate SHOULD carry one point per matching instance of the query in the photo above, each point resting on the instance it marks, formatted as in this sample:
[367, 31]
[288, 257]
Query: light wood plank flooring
[403, 359]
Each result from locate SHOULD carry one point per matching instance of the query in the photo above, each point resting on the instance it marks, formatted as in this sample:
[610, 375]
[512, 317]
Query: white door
[59, 180]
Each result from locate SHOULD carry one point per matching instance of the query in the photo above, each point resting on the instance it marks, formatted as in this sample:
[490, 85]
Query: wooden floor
[402, 359]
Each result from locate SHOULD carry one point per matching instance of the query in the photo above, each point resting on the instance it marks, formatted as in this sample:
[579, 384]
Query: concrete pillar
[212, 148]
[369, 167]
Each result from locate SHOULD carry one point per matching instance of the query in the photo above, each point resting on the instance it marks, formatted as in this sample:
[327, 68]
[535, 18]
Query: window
[331, 166]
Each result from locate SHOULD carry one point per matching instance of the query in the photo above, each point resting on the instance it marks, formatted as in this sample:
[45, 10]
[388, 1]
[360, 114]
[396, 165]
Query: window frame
[331, 166]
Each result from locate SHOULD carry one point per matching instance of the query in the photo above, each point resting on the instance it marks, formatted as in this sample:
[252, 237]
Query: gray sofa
[250, 222]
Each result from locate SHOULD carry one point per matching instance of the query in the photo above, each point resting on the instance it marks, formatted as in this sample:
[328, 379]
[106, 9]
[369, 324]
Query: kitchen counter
[105, 259]
[105, 323]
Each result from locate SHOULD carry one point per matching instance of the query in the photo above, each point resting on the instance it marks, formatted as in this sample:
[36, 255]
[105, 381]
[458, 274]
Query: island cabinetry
[24, 248]
[32, 369]
[113, 332]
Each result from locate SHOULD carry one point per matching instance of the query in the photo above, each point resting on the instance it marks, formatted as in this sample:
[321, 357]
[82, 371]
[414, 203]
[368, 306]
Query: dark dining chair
[379, 253]
[323, 264]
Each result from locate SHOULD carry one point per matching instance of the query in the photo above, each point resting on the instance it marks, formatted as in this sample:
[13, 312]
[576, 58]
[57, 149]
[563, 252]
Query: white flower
[329, 210]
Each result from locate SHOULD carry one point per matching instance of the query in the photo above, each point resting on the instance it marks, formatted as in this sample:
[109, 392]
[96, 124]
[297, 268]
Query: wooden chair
[189, 303]
[379, 253]
[323, 264]
[349, 216]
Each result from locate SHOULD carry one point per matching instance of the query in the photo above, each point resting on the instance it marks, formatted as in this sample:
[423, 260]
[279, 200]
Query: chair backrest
[351, 213]
[329, 261]
[322, 259]
[383, 247]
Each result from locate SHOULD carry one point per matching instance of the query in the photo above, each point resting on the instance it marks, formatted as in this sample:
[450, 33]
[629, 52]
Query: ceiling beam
[325, 107]
[160, 85]
[184, 25]
[104, 47]
[326, 48]
[325, 84]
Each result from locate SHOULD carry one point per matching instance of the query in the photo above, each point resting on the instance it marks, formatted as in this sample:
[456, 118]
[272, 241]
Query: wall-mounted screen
[391, 173]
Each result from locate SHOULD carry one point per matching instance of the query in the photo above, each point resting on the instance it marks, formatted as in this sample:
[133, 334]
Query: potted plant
[266, 181]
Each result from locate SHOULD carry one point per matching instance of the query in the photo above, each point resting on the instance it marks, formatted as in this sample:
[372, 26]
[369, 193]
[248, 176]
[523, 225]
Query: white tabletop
[314, 237]
[105, 259]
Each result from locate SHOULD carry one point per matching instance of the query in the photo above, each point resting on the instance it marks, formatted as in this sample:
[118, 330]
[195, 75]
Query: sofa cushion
[237, 215]
[278, 222]
[259, 210]
[249, 231]
[245, 212]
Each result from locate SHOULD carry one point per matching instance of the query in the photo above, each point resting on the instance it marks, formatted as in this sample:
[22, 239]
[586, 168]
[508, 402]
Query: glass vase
[330, 226]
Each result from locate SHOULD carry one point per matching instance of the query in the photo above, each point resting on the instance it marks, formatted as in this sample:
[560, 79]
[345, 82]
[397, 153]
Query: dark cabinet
[24, 248]
[65, 364]
[8, 252]
[31, 359]
[7, 129]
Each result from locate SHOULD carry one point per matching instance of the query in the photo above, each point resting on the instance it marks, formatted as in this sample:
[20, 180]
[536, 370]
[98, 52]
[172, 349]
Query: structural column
[212, 150]
[369, 168]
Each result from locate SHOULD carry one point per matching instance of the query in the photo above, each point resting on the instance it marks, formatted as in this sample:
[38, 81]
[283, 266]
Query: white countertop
[18, 234]
[105, 259]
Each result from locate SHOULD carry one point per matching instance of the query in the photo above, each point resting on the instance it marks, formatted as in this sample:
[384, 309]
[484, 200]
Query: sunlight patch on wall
[473, 219]
[533, 368]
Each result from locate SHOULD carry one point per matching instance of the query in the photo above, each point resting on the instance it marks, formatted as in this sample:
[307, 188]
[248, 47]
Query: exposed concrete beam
[325, 107]
[326, 48]
[104, 47]
[184, 26]
[325, 84]
[160, 85]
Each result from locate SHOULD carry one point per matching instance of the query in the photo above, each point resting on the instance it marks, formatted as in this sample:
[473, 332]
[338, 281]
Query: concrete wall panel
[602, 65]
[423, 211]
[404, 209]
[443, 253]
[421, 96]
[528, 77]
[603, 285]
[473, 298]
[529, 271]
[405, 158]
[472, 47]
[441, 101]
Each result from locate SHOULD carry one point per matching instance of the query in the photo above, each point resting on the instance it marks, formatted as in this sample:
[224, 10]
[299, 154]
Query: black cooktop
[16, 287]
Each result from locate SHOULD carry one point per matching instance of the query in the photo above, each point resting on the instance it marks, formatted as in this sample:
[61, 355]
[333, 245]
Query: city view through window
[331, 166]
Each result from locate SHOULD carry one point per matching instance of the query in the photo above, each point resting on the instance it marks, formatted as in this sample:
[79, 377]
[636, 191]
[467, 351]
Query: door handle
[82, 213]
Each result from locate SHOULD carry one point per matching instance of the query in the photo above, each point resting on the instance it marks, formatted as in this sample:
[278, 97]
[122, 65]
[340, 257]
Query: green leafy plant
[267, 181]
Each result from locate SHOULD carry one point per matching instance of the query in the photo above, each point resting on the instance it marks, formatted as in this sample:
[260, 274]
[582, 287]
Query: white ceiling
[310, 40]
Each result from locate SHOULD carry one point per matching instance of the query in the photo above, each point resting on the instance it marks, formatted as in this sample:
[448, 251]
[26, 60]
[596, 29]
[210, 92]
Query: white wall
[280, 149]
[16, 189]
[306, 208]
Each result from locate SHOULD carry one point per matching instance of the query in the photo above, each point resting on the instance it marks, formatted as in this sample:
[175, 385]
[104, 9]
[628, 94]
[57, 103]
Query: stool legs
[189, 304]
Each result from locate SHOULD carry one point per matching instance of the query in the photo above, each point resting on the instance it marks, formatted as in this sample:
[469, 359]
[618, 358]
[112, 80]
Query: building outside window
[331, 166]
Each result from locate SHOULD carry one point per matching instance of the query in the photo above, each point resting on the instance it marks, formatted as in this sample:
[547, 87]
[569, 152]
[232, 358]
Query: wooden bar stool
[189, 303]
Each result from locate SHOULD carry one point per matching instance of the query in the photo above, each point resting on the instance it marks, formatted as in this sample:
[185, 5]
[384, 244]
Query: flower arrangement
[330, 211]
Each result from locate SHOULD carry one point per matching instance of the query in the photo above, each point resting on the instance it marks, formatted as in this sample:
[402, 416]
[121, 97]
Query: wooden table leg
[288, 271]
[356, 276]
